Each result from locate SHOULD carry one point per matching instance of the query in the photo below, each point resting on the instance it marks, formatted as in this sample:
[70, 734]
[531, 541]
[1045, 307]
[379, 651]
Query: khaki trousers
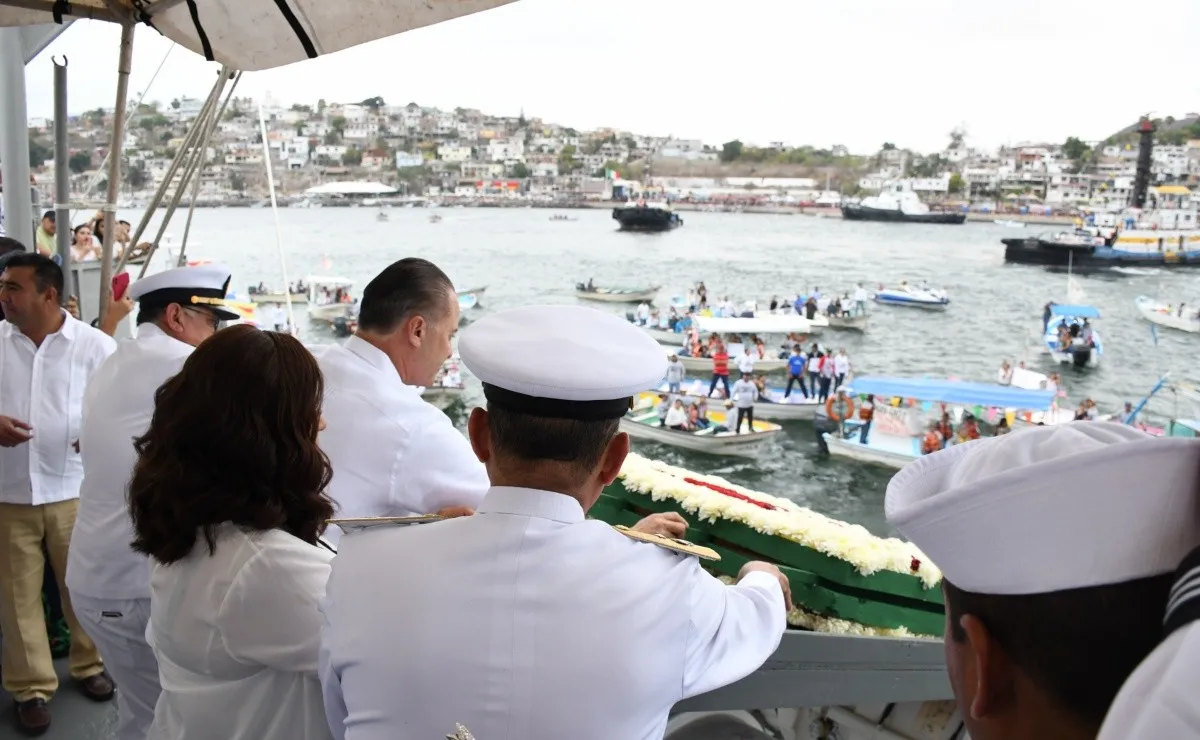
[25, 663]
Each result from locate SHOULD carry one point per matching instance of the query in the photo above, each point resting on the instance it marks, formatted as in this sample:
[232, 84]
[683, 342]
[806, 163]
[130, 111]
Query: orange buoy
[846, 410]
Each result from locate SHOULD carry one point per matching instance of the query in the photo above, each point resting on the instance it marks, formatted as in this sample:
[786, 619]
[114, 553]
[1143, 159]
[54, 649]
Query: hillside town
[464, 154]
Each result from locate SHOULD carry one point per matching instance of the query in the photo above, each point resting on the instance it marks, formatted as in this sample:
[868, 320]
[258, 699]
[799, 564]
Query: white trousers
[119, 630]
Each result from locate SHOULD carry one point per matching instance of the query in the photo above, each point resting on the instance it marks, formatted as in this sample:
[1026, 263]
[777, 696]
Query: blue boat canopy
[955, 391]
[1082, 312]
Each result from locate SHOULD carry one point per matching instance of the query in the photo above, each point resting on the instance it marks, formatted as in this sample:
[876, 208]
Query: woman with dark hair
[228, 499]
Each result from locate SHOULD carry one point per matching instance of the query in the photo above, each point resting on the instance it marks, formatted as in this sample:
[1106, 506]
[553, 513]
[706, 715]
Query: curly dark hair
[233, 439]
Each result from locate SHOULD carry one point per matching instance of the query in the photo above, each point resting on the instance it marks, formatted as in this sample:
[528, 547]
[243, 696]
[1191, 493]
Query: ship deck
[808, 670]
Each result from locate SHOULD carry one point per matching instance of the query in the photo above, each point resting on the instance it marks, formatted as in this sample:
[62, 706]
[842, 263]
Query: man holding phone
[46, 357]
[177, 310]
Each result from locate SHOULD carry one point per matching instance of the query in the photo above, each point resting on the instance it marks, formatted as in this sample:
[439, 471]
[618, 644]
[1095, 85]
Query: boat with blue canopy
[1069, 336]
[905, 409]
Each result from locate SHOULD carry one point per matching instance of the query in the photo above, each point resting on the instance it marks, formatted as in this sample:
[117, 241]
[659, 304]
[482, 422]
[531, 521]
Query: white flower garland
[805, 619]
[850, 542]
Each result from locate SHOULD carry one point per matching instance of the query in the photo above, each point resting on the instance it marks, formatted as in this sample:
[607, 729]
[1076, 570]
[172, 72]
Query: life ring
[832, 402]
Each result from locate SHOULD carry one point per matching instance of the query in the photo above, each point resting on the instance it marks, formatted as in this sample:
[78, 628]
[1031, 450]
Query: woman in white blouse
[228, 499]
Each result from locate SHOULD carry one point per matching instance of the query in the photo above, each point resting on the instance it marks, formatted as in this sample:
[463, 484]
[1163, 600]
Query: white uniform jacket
[118, 405]
[393, 453]
[528, 622]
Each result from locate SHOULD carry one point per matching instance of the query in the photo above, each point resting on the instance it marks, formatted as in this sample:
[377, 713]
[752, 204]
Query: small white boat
[794, 407]
[764, 324]
[930, 299]
[704, 364]
[381, 216]
[641, 422]
[616, 295]
[848, 323]
[1173, 317]
[1080, 353]
[328, 298]
[664, 336]
[278, 297]
[1010, 224]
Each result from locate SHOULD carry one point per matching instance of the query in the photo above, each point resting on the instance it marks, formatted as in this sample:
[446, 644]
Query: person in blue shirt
[796, 364]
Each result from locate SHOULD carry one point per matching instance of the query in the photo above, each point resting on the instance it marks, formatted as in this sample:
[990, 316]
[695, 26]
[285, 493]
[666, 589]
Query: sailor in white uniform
[1058, 546]
[393, 453]
[528, 621]
[109, 582]
[1159, 700]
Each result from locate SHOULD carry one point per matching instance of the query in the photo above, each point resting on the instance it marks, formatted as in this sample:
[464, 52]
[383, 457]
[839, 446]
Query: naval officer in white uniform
[394, 454]
[1058, 545]
[527, 621]
[109, 582]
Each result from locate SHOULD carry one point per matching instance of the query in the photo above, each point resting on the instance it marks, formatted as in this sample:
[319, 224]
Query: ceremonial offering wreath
[844, 579]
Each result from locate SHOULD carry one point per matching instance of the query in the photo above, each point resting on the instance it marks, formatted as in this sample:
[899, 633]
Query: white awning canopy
[259, 34]
[351, 187]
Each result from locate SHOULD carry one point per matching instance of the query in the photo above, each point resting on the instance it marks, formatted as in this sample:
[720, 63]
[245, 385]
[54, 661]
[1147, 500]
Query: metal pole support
[62, 180]
[14, 139]
[114, 168]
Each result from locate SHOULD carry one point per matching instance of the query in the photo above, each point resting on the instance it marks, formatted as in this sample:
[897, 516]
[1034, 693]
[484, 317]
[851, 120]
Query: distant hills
[1171, 130]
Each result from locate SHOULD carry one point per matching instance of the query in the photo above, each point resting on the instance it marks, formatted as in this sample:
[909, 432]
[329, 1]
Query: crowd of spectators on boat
[87, 239]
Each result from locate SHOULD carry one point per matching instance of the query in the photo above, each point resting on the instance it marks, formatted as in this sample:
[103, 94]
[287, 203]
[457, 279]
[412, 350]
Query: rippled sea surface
[523, 257]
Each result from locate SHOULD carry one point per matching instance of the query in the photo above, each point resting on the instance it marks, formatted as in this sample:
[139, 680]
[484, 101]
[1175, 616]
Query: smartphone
[120, 284]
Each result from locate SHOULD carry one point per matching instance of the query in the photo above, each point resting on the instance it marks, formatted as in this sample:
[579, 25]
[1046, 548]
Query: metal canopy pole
[14, 139]
[212, 126]
[114, 168]
[62, 180]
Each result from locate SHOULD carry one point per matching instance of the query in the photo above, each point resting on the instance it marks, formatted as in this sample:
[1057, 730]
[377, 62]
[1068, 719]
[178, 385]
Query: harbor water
[524, 257]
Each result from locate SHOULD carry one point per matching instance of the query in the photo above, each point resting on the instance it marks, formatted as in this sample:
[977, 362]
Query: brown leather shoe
[33, 717]
[98, 687]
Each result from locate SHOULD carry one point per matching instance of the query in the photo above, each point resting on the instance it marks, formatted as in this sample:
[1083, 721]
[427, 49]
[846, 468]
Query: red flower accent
[731, 493]
[915, 565]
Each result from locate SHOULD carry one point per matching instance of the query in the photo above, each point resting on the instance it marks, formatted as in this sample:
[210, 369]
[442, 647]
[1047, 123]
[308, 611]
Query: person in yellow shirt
[47, 246]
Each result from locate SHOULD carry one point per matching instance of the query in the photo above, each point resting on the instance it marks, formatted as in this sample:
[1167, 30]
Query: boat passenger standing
[866, 414]
[1044, 627]
[394, 454]
[860, 300]
[774, 303]
[109, 582]
[675, 374]
[720, 360]
[643, 313]
[1005, 376]
[814, 369]
[233, 537]
[745, 362]
[529, 621]
[745, 393]
[796, 371]
[46, 358]
[841, 368]
[828, 369]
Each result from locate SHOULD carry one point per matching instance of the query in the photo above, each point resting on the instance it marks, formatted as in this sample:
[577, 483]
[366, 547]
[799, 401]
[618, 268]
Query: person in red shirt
[720, 360]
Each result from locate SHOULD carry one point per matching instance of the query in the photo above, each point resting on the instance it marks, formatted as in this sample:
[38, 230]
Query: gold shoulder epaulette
[355, 524]
[670, 543]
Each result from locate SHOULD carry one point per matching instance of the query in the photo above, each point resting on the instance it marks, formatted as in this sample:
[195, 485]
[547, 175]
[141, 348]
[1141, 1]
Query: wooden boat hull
[704, 365]
[718, 444]
[849, 323]
[779, 411]
[329, 312]
[1147, 308]
[665, 336]
[853, 451]
[631, 297]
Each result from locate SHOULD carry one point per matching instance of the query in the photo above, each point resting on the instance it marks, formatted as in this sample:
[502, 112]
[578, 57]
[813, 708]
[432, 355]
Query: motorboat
[642, 422]
[1085, 347]
[615, 295]
[931, 299]
[795, 407]
[329, 298]
[1164, 314]
[899, 206]
[761, 324]
[904, 408]
[705, 364]
[646, 216]
[277, 296]
[848, 322]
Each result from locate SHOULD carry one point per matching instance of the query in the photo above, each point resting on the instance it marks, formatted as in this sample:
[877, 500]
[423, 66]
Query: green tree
[321, 106]
[1074, 148]
[338, 124]
[956, 184]
[352, 157]
[331, 138]
[566, 160]
[520, 171]
[38, 153]
[135, 176]
[731, 151]
[80, 162]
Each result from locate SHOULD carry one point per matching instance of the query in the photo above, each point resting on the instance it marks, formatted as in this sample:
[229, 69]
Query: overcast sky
[803, 72]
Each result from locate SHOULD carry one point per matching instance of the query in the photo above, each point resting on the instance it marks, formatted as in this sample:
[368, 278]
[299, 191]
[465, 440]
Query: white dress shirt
[44, 387]
[528, 622]
[236, 635]
[1158, 702]
[117, 408]
[841, 364]
[745, 363]
[393, 453]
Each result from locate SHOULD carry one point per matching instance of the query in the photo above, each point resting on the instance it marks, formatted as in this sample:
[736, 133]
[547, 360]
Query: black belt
[1183, 605]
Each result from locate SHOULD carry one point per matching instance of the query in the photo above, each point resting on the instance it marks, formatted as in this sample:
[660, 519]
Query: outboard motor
[341, 327]
[581, 287]
[823, 425]
[1081, 355]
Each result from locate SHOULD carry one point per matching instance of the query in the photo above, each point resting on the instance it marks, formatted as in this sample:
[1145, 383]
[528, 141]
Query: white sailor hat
[1052, 508]
[563, 362]
[200, 286]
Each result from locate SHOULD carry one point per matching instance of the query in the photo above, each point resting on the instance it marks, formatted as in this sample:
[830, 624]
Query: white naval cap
[201, 285]
[565, 362]
[1052, 508]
